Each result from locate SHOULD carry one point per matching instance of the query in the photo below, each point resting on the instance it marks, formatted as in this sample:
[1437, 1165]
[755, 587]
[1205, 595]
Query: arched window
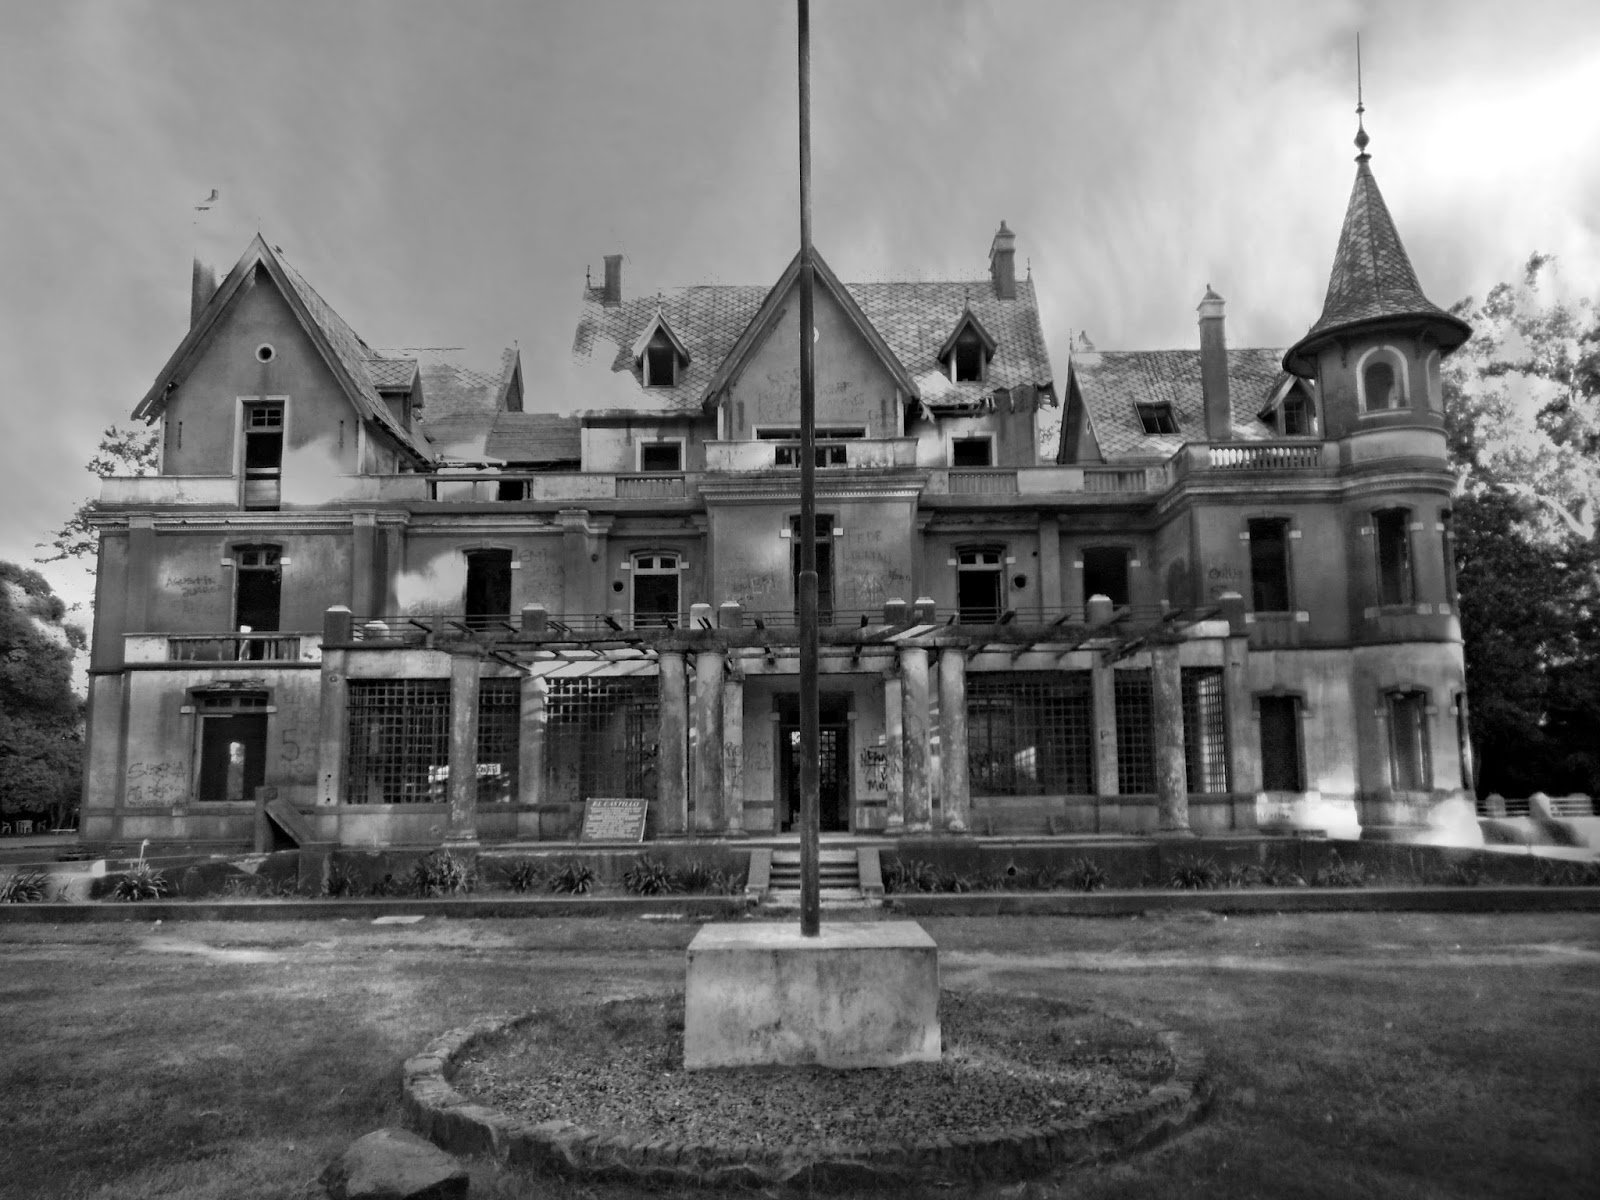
[655, 590]
[1383, 380]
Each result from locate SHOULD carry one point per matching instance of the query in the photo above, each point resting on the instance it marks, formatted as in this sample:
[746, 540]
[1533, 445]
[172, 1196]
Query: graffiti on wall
[874, 769]
[154, 785]
[189, 585]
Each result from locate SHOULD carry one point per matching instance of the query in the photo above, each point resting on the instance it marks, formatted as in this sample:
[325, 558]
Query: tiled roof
[391, 374]
[462, 395]
[1372, 279]
[913, 319]
[1113, 382]
[523, 437]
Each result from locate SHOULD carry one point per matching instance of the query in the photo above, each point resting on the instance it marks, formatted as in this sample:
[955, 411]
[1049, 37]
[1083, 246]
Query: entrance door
[833, 763]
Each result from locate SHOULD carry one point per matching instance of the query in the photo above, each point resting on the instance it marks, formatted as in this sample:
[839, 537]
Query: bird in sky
[205, 205]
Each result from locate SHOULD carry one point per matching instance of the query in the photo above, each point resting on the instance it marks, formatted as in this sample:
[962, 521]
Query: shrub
[341, 883]
[572, 878]
[525, 875]
[955, 881]
[1568, 874]
[24, 887]
[141, 882]
[1251, 875]
[387, 886]
[649, 877]
[1083, 875]
[1464, 874]
[701, 878]
[1340, 874]
[909, 875]
[1194, 873]
[443, 874]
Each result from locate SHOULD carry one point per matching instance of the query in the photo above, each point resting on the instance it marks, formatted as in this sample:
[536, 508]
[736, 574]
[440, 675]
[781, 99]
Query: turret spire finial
[1361, 132]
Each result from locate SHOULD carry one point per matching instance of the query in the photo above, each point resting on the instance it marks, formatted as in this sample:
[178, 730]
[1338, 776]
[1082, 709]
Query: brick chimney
[613, 289]
[202, 286]
[1003, 263]
[1214, 369]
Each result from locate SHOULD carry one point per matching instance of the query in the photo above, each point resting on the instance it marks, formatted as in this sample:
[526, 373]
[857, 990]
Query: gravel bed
[1009, 1062]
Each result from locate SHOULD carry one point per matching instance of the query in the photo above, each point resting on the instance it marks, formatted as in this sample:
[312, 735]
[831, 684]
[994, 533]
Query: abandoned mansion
[377, 592]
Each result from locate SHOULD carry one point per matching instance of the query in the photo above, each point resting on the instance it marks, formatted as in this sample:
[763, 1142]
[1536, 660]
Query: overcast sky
[444, 172]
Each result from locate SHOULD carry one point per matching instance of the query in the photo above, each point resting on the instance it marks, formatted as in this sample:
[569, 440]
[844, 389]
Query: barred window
[499, 727]
[601, 737]
[1205, 730]
[1030, 733]
[398, 749]
[1134, 702]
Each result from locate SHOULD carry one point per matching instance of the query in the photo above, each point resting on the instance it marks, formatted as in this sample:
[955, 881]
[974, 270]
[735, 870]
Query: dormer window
[660, 356]
[1157, 418]
[966, 352]
[1295, 414]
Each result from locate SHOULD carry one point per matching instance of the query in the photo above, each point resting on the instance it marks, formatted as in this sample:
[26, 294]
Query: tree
[41, 720]
[121, 452]
[1523, 418]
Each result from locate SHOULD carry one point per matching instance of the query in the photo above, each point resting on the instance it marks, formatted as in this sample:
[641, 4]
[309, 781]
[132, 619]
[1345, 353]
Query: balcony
[1047, 481]
[856, 453]
[1239, 457]
[200, 648]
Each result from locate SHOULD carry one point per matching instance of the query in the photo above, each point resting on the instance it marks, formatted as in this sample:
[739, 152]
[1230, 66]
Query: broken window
[1105, 573]
[263, 454]
[655, 591]
[980, 585]
[1411, 764]
[398, 748]
[233, 745]
[1157, 418]
[258, 588]
[824, 545]
[972, 452]
[1030, 733]
[660, 361]
[967, 357]
[1134, 704]
[488, 587]
[1205, 730]
[1391, 530]
[601, 738]
[661, 456]
[1282, 762]
[499, 740]
[1269, 564]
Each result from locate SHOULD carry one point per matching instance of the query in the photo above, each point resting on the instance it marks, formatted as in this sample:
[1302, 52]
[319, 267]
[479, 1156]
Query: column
[334, 717]
[1172, 782]
[914, 721]
[1103, 697]
[1050, 594]
[463, 828]
[894, 753]
[708, 740]
[733, 755]
[953, 739]
[1244, 749]
[672, 753]
[533, 721]
[364, 596]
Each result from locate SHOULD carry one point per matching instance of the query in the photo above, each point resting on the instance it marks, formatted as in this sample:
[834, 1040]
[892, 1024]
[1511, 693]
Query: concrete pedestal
[857, 995]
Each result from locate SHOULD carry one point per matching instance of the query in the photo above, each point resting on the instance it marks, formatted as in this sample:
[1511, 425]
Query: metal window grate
[601, 738]
[499, 740]
[1030, 733]
[1205, 730]
[398, 749]
[1134, 704]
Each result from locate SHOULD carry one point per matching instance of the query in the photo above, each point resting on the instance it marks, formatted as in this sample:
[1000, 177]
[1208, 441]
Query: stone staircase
[847, 877]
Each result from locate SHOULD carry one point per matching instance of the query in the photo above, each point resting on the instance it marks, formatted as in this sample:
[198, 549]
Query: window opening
[1282, 759]
[661, 456]
[1105, 573]
[258, 588]
[1030, 733]
[655, 591]
[233, 745]
[1379, 382]
[398, 749]
[980, 586]
[1391, 528]
[1133, 701]
[660, 361]
[1205, 730]
[1269, 565]
[601, 738]
[972, 452]
[263, 454]
[824, 567]
[1296, 413]
[1411, 764]
[511, 489]
[488, 587]
[966, 358]
[1464, 742]
[1157, 418]
[499, 739]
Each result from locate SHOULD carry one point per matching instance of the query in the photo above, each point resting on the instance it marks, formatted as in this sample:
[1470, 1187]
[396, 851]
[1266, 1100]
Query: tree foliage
[1523, 405]
[41, 738]
[122, 452]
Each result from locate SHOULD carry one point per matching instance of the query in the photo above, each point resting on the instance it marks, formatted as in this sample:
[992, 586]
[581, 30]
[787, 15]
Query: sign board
[613, 820]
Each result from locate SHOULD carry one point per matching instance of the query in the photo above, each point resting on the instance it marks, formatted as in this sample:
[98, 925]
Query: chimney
[1214, 369]
[202, 286]
[1003, 263]
[613, 289]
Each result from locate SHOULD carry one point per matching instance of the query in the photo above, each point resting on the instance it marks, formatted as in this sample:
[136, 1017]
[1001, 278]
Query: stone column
[708, 740]
[334, 717]
[1244, 750]
[534, 721]
[733, 755]
[953, 740]
[894, 754]
[914, 721]
[1172, 781]
[463, 827]
[1103, 698]
[672, 751]
[364, 598]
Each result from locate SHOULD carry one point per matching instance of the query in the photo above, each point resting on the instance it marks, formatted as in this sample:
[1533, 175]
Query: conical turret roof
[1372, 282]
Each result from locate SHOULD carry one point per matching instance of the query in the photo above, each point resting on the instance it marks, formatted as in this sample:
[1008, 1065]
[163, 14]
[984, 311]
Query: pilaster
[465, 670]
[953, 739]
[914, 721]
[672, 758]
[1172, 781]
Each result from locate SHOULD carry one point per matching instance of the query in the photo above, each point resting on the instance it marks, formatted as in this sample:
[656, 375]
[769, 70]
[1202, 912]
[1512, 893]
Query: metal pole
[810, 891]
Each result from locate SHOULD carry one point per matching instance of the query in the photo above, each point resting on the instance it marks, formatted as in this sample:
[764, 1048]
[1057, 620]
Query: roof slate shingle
[541, 438]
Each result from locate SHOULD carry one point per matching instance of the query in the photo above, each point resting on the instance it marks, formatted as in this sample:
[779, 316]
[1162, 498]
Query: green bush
[525, 875]
[141, 882]
[443, 874]
[572, 878]
[24, 887]
[649, 876]
[1194, 873]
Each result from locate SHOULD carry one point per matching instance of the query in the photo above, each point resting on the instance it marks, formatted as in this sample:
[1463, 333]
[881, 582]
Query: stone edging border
[450, 1121]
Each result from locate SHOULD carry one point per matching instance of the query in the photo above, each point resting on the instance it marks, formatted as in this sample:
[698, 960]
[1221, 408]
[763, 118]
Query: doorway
[833, 763]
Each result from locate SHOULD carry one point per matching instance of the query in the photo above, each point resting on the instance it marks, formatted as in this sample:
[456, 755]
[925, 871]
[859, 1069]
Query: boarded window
[1269, 565]
[499, 740]
[1205, 730]
[1411, 764]
[488, 587]
[1392, 532]
[824, 545]
[1105, 573]
[980, 587]
[233, 745]
[1030, 733]
[601, 738]
[1134, 703]
[398, 748]
[1282, 763]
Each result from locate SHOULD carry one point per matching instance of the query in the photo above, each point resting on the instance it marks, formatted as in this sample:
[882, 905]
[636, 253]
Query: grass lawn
[1354, 1055]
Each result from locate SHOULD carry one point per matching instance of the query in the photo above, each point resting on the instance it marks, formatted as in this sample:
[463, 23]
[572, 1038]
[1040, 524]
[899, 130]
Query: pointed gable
[1372, 281]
